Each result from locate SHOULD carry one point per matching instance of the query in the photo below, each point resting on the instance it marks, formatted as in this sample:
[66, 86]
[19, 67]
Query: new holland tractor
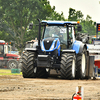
[56, 49]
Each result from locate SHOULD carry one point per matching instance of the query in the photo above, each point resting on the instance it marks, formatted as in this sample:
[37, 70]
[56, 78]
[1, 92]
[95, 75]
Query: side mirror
[30, 25]
[79, 28]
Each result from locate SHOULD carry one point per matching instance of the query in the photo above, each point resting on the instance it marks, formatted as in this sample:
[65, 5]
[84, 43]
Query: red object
[12, 55]
[97, 63]
[98, 27]
[5, 56]
[77, 97]
[2, 43]
[1, 58]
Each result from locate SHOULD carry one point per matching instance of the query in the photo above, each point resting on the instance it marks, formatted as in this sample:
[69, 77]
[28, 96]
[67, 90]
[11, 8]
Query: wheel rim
[12, 64]
[83, 63]
[73, 68]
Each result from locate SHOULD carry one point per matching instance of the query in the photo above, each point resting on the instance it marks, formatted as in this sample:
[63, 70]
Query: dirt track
[19, 88]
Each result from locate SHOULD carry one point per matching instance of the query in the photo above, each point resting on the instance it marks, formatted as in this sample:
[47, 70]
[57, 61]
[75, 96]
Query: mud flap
[87, 66]
[90, 70]
[91, 67]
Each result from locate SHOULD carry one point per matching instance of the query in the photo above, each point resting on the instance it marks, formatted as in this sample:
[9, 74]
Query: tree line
[15, 16]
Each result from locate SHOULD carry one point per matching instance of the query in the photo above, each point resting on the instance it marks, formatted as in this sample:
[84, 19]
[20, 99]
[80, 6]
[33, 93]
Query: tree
[56, 16]
[88, 26]
[72, 15]
[79, 15]
[4, 35]
[75, 15]
[17, 15]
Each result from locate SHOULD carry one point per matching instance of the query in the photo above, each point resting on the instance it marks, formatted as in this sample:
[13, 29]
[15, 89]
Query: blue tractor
[56, 49]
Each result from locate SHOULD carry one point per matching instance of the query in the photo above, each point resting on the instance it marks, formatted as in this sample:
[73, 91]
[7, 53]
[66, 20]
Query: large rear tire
[68, 66]
[81, 63]
[28, 65]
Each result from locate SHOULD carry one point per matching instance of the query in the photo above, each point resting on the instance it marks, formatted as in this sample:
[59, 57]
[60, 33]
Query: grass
[8, 72]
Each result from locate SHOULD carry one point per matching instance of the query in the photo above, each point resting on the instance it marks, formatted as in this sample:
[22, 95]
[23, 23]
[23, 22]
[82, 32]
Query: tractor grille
[48, 43]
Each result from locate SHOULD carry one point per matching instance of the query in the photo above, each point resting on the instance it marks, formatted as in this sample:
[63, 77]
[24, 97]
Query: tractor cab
[55, 32]
[4, 48]
[58, 35]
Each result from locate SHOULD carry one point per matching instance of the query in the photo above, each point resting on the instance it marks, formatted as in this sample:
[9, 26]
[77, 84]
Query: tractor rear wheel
[28, 65]
[68, 66]
[81, 63]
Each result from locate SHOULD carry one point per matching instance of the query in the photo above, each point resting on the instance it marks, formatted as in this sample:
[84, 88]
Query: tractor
[57, 49]
[84, 37]
[7, 60]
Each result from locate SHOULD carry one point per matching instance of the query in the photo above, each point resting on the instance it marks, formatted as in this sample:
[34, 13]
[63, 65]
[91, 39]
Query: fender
[81, 47]
[78, 46]
[68, 51]
[35, 44]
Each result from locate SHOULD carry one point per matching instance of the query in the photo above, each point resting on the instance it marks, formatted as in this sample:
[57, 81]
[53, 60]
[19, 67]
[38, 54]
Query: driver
[58, 34]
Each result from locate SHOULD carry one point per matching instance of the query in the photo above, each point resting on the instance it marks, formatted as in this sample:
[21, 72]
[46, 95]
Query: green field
[8, 72]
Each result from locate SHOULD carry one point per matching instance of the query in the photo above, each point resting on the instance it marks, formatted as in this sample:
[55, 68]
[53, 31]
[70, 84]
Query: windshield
[1, 49]
[56, 32]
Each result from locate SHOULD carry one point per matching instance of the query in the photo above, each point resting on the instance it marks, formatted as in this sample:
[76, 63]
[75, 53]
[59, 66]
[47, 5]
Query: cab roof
[59, 22]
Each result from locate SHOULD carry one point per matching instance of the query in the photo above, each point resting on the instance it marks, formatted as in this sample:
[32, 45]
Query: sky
[87, 7]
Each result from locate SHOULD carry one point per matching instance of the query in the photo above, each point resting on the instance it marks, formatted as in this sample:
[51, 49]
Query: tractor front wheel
[28, 65]
[68, 66]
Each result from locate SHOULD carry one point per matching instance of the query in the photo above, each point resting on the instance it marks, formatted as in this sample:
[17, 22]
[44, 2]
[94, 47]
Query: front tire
[68, 66]
[28, 66]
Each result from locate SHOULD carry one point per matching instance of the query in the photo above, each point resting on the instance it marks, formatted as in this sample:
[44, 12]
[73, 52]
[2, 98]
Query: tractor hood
[50, 44]
[12, 56]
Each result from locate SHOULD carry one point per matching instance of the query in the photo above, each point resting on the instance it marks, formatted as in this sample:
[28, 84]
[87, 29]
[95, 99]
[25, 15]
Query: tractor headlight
[52, 46]
[42, 46]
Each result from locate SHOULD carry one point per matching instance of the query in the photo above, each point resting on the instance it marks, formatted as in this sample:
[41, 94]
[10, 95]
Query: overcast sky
[87, 7]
